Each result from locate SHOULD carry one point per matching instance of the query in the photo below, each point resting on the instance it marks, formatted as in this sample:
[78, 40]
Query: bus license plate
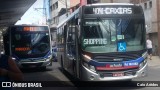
[118, 74]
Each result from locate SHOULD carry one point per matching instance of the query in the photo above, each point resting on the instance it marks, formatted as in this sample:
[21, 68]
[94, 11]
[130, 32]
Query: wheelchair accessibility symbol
[122, 46]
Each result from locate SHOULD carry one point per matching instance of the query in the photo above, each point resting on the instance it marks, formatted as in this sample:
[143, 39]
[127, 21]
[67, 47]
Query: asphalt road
[62, 80]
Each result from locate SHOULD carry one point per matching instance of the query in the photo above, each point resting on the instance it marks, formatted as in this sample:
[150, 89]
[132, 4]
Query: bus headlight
[49, 58]
[85, 63]
[141, 65]
[13, 58]
[86, 58]
[90, 67]
[144, 55]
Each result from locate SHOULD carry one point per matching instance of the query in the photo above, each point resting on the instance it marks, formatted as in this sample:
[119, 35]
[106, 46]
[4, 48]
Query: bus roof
[96, 4]
[76, 11]
[68, 18]
[26, 25]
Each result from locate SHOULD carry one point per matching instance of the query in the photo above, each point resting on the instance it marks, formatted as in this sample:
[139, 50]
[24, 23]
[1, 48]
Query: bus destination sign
[113, 10]
[106, 10]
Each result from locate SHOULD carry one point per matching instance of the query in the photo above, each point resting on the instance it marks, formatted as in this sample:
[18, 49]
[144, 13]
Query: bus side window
[71, 42]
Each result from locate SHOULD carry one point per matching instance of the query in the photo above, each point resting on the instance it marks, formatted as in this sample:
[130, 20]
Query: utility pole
[43, 13]
[66, 8]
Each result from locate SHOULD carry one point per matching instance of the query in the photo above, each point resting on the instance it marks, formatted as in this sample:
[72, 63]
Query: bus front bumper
[88, 75]
[33, 64]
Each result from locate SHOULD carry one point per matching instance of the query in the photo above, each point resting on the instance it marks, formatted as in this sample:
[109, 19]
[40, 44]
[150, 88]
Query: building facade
[55, 8]
[58, 11]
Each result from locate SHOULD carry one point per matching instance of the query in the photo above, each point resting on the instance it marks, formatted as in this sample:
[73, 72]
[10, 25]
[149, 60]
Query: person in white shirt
[149, 48]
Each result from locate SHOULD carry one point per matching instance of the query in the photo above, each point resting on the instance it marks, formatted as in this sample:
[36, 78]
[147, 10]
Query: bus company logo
[112, 10]
[6, 84]
[118, 59]
[131, 64]
[115, 65]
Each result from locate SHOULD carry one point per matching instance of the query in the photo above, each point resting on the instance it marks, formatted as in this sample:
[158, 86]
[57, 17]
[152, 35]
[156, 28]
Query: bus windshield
[103, 35]
[30, 43]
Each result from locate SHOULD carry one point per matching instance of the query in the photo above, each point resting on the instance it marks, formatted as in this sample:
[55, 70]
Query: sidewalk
[155, 62]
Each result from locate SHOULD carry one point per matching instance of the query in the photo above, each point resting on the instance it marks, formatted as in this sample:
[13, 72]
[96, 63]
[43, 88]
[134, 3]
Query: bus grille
[116, 57]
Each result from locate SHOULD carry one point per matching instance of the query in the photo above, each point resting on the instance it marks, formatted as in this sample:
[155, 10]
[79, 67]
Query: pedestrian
[9, 71]
[149, 48]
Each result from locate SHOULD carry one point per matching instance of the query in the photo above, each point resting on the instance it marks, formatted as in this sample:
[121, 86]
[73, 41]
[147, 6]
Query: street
[61, 79]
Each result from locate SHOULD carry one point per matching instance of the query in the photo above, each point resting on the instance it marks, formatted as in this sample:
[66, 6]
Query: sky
[33, 16]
